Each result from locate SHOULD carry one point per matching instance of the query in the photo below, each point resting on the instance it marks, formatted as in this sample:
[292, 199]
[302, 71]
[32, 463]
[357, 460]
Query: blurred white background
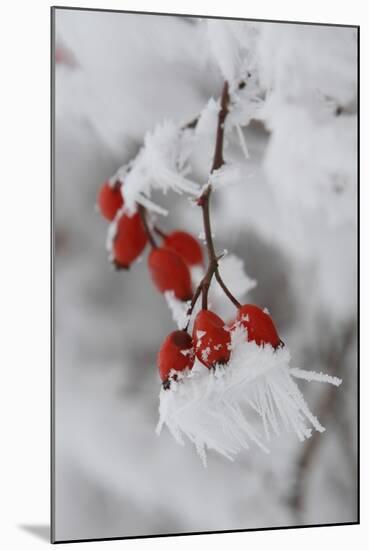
[286, 219]
[24, 412]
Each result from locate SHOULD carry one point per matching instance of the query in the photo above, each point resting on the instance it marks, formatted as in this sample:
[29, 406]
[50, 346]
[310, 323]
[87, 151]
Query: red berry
[259, 325]
[110, 200]
[63, 56]
[211, 339]
[186, 246]
[176, 353]
[129, 241]
[169, 272]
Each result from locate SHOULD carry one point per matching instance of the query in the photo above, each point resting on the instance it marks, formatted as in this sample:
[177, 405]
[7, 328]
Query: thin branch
[224, 104]
[226, 290]
[142, 213]
[204, 203]
[202, 287]
[193, 303]
[159, 232]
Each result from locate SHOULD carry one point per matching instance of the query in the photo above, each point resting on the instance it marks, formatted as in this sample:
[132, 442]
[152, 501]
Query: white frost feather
[231, 46]
[161, 164]
[229, 174]
[245, 403]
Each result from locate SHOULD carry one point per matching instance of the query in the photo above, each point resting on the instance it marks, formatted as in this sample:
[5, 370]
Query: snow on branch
[316, 376]
[244, 403]
[227, 175]
[161, 164]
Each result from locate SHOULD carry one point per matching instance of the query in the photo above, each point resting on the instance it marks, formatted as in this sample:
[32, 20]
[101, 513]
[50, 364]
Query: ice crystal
[247, 402]
[161, 164]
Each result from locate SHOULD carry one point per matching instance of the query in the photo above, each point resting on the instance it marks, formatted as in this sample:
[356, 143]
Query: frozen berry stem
[142, 213]
[159, 232]
[204, 203]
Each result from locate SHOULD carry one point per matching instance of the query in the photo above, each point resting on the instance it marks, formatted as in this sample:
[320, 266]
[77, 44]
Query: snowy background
[289, 211]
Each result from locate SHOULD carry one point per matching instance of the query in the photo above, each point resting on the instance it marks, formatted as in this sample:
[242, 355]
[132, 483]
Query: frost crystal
[160, 164]
[247, 402]
[227, 175]
[231, 46]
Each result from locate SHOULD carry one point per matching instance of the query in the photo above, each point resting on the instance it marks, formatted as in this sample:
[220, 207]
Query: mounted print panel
[205, 217]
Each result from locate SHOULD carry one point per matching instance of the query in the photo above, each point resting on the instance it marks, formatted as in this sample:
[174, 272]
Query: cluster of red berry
[211, 340]
[169, 267]
[168, 264]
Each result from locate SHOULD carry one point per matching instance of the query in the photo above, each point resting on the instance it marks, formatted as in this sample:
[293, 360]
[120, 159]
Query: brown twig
[191, 125]
[217, 163]
[142, 212]
[203, 288]
[160, 232]
[204, 203]
[226, 290]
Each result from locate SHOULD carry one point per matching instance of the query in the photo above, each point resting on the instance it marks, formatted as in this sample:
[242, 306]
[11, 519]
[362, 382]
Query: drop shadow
[40, 531]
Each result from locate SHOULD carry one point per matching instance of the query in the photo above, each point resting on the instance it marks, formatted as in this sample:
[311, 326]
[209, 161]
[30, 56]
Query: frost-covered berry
[211, 339]
[176, 353]
[169, 272]
[129, 241]
[186, 246]
[259, 325]
[109, 199]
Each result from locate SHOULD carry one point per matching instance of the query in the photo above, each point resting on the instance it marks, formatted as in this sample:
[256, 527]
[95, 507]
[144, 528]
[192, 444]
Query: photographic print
[205, 243]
